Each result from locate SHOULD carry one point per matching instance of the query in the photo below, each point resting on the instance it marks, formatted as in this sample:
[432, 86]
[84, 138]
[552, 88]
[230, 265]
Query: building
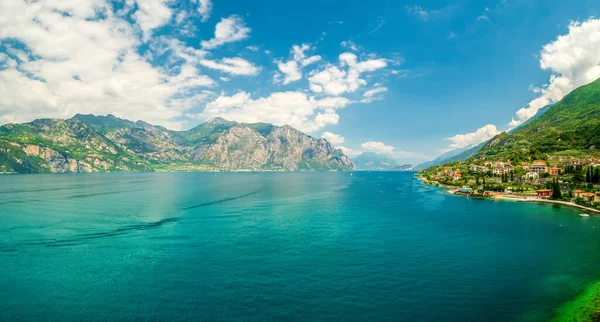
[577, 193]
[588, 196]
[544, 193]
[597, 197]
[477, 168]
[554, 171]
[531, 175]
[457, 177]
[500, 171]
[537, 168]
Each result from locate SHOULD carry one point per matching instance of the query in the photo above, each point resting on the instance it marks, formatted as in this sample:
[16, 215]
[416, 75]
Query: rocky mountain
[571, 124]
[89, 143]
[374, 162]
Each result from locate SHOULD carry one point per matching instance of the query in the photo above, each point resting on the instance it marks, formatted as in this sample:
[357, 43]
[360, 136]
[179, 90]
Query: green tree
[556, 193]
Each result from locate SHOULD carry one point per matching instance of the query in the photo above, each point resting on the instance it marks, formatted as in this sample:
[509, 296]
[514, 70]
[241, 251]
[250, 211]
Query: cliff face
[88, 143]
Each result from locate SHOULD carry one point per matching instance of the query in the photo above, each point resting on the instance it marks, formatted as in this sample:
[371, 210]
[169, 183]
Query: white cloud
[335, 139]
[235, 66]
[377, 147]
[84, 63]
[336, 80]
[204, 9]
[151, 14]
[296, 109]
[349, 152]
[349, 44]
[371, 95]
[573, 60]
[482, 134]
[252, 48]
[230, 29]
[418, 11]
[292, 69]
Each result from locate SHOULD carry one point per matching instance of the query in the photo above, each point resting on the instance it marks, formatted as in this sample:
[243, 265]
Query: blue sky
[409, 78]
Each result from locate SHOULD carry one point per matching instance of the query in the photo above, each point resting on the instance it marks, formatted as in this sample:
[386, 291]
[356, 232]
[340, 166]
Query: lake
[282, 246]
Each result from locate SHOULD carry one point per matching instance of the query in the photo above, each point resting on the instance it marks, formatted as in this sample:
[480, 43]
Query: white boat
[584, 215]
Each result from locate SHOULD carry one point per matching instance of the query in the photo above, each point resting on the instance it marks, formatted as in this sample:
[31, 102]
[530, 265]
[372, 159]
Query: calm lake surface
[282, 246]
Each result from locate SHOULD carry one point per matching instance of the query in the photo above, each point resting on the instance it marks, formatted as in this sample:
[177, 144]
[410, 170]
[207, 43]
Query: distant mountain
[460, 154]
[374, 162]
[89, 143]
[571, 124]
[403, 167]
[465, 153]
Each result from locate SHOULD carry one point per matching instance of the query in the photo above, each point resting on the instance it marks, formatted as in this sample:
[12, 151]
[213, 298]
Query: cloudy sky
[408, 78]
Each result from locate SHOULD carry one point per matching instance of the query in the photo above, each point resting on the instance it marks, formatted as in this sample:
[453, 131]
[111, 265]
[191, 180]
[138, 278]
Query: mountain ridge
[90, 143]
[571, 124]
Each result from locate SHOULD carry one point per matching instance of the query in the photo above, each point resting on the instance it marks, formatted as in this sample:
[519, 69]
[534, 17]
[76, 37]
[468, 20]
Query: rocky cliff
[88, 143]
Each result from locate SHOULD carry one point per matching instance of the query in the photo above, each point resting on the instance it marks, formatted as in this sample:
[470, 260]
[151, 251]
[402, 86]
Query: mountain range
[462, 154]
[571, 124]
[89, 143]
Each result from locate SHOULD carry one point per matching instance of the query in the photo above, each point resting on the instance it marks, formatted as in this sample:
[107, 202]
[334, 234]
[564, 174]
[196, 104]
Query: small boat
[584, 215]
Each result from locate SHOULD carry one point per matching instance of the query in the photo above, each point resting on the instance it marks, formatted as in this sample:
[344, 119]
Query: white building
[531, 175]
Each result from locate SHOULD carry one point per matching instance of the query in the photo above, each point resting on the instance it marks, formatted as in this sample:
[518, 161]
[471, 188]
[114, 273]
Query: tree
[556, 193]
[512, 176]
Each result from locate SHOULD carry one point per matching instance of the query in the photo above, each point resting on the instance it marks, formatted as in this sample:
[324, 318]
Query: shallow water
[280, 246]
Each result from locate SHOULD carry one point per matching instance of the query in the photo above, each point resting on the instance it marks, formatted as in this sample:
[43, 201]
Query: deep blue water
[282, 246]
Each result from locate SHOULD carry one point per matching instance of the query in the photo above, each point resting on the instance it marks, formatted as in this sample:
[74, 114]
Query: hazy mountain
[374, 162]
[450, 156]
[88, 143]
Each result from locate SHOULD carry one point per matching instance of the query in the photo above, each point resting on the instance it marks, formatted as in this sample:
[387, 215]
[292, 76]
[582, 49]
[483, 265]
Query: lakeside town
[573, 180]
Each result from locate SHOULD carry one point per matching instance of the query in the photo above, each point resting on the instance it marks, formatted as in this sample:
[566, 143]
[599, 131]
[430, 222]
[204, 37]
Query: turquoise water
[281, 246]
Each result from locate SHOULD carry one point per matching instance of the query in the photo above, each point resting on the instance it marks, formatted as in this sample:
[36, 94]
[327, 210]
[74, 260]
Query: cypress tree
[556, 193]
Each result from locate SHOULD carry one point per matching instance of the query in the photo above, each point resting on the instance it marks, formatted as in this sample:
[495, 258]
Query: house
[597, 197]
[457, 177]
[588, 196]
[477, 168]
[500, 171]
[537, 168]
[577, 193]
[544, 193]
[531, 175]
[554, 171]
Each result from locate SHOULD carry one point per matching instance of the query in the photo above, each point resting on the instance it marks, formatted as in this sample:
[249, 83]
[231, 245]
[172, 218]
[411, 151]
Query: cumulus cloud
[335, 139]
[377, 147]
[59, 58]
[151, 14]
[349, 152]
[204, 9]
[336, 80]
[230, 29]
[292, 69]
[573, 60]
[296, 109]
[481, 135]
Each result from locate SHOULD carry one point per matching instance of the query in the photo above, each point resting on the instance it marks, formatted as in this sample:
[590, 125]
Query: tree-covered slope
[571, 124]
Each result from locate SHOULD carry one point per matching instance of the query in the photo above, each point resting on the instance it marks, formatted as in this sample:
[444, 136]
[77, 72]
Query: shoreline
[547, 201]
[506, 197]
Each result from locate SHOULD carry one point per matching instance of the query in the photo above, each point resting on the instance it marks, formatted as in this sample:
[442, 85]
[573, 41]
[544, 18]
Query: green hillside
[571, 124]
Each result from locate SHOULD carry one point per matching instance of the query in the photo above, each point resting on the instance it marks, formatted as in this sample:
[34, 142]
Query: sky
[412, 79]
